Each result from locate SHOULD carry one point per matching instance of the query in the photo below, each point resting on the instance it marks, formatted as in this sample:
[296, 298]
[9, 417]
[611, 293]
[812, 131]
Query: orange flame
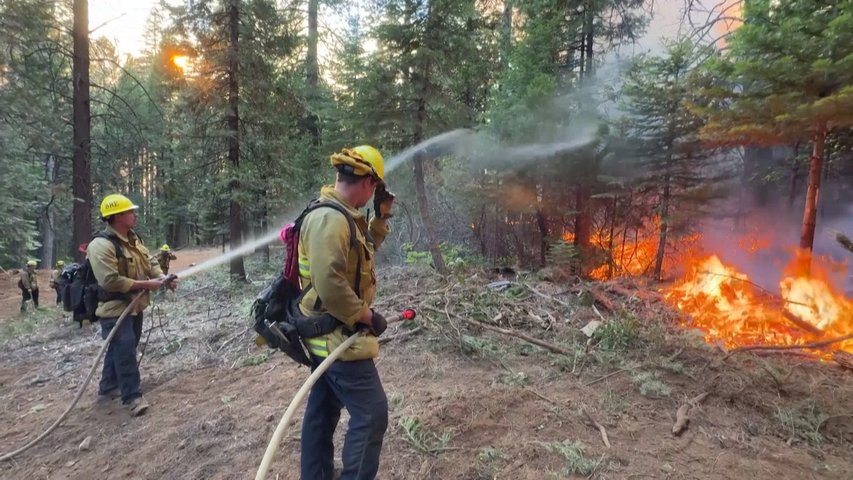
[731, 310]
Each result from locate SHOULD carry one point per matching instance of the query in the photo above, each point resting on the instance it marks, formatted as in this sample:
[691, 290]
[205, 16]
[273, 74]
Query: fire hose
[50, 429]
[407, 314]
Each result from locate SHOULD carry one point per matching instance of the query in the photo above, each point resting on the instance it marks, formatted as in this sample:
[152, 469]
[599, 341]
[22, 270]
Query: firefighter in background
[55, 280]
[340, 280]
[164, 256]
[29, 285]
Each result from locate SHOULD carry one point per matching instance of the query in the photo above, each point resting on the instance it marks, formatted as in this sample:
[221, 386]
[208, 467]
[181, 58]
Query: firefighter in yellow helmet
[55, 280]
[121, 264]
[164, 257]
[337, 277]
[29, 285]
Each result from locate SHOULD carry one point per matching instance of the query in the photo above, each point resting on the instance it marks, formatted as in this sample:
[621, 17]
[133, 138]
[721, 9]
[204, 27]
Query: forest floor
[10, 294]
[466, 402]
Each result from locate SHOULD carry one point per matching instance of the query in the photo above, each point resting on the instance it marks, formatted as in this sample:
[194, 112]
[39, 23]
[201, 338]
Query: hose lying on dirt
[297, 399]
[407, 314]
[10, 455]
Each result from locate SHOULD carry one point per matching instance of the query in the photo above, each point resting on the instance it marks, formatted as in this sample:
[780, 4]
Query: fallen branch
[599, 379]
[681, 419]
[513, 333]
[805, 346]
[682, 416]
[801, 323]
[235, 337]
[547, 297]
[401, 335]
[602, 299]
[600, 428]
[695, 401]
[543, 397]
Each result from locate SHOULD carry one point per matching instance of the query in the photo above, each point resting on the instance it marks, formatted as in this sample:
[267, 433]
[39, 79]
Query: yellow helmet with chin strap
[32, 263]
[114, 204]
[60, 263]
[165, 248]
[360, 161]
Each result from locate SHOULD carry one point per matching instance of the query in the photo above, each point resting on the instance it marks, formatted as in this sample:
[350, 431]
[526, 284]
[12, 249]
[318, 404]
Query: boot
[137, 406]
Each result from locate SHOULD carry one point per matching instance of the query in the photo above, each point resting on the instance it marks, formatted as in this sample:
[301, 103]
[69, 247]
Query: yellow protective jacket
[29, 280]
[164, 259]
[327, 268]
[54, 278]
[105, 265]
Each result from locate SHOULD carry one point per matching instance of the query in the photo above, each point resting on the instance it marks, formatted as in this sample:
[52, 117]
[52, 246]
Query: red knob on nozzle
[409, 314]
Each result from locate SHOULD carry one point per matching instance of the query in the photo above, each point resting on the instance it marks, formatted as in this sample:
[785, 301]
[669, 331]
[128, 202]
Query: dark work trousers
[58, 295]
[120, 368]
[29, 294]
[356, 386]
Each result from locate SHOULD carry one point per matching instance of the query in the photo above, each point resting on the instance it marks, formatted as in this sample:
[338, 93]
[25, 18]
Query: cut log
[681, 420]
[602, 299]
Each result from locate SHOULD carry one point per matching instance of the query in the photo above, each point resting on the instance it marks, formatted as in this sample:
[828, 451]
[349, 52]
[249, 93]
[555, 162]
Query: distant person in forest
[56, 280]
[337, 274]
[29, 285]
[164, 257]
[123, 267]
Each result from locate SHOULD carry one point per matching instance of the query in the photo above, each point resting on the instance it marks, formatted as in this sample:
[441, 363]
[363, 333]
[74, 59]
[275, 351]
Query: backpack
[277, 318]
[82, 293]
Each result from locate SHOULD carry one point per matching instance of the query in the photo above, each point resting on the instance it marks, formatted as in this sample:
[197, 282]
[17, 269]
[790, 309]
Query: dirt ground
[475, 405]
[10, 294]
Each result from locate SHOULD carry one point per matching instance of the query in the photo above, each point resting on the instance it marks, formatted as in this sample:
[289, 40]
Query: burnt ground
[466, 403]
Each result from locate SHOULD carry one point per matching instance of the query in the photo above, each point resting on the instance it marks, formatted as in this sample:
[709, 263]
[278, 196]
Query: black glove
[382, 195]
[379, 324]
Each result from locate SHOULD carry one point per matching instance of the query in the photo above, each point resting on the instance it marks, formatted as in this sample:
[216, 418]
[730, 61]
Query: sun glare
[182, 62]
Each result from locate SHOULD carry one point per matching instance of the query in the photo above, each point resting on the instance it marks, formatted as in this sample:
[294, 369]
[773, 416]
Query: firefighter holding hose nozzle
[122, 268]
[336, 272]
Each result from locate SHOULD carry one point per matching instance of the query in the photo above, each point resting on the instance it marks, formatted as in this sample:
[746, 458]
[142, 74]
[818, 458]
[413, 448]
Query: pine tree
[790, 69]
[664, 137]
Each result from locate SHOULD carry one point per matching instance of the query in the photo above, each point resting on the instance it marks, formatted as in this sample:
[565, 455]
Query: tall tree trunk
[583, 197]
[506, 34]
[813, 192]
[238, 270]
[312, 69]
[664, 226]
[583, 221]
[426, 217]
[541, 222]
[47, 220]
[420, 184]
[81, 184]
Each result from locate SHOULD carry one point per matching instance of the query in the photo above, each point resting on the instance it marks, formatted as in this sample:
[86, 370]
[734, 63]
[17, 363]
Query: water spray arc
[463, 143]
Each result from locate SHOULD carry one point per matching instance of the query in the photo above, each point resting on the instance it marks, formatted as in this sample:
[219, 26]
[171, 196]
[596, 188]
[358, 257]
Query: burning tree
[664, 139]
[790, 80]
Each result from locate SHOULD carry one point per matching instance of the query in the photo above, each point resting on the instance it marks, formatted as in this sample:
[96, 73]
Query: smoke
[482, 150]
[765, 241]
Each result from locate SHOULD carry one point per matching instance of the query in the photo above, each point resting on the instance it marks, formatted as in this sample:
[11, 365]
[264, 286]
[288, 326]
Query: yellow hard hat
[60, 263]
[114, 204]
[32, 263]
[364, 160]
[165, 248]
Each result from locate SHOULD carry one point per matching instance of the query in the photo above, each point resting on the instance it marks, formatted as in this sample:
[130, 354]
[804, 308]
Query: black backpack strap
[314, 205]
[103, 295]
